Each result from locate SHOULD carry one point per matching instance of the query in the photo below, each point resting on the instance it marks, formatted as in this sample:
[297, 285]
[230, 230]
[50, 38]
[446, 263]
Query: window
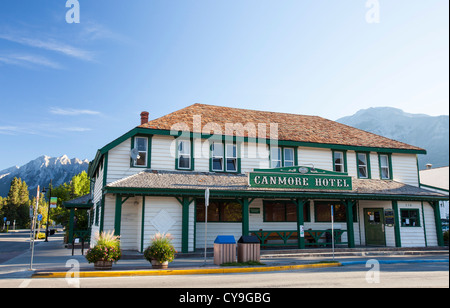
[289, 160]
[283, 211]
[363, 165]
[275, 157]
[217, 156]
[184, 155]
[385, 170]
[282, 157]
[141, 144]
[339, 161]
[231, 156]
[410, 218]
[219, 211]
[322, 210]
[224, 157]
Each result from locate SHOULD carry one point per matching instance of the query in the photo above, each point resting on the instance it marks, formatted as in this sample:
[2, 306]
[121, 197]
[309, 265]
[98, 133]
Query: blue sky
[72, 88]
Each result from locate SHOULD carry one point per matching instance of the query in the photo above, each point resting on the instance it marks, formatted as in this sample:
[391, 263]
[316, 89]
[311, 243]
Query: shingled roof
[199, 181]
[291, 127]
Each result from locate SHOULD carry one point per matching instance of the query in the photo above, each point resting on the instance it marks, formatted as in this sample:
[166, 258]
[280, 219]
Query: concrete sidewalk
[52, 259]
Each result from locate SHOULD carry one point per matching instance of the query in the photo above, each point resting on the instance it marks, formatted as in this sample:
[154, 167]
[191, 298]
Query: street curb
[227, 270]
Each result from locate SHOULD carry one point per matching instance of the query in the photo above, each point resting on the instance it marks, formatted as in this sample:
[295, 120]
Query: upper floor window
[363, 165]
[184, 155]
[385, 166]
[282, 157]
[224, 157]
[339, 161]
[141, 144]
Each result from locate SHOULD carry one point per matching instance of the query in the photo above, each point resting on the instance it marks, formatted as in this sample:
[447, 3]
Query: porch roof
[157, 182]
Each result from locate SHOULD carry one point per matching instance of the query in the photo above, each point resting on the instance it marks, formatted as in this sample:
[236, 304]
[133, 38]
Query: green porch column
[185, 225]
[398, 241]
[245, 217]
[71, 225]
[300, 222]
[349, 204]
[437, 218]
[118, 215]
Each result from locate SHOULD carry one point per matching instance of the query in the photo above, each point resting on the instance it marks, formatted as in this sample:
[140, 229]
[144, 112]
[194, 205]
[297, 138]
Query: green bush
[107, 248]
[160, 249]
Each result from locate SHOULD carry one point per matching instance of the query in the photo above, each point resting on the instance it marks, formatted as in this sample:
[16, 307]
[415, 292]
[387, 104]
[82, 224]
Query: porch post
[185, 225]
[300, 223]
[437, 218]
[398, 241]
[350, 230]
[245, 217]
[118, 215]
[71, 225]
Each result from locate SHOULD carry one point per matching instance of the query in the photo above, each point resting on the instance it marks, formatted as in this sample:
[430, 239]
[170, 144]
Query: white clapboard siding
[320, 158]
[254, 156]
[213, 230]
[405, 169]
[163, 153]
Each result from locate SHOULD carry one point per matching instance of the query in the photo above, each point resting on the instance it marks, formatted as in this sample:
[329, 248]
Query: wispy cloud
[77, 129]
[8, 130]
[73, 112]
[49, 44]
[28, 60]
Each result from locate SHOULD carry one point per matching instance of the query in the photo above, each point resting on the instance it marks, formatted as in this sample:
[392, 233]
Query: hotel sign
[300, 178]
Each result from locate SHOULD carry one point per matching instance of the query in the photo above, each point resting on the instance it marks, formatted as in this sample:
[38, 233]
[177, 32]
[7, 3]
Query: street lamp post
[48, 208]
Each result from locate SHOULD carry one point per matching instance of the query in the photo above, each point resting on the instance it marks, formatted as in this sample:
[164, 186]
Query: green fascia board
[264, 194]
[151, 131]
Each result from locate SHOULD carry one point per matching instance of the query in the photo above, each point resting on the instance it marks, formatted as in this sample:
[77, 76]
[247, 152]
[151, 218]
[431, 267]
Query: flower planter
[103, 265]
[158, 265]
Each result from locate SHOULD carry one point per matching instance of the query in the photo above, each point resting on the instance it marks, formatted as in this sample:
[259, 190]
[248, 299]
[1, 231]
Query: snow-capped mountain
[41, 170]
[428, 132]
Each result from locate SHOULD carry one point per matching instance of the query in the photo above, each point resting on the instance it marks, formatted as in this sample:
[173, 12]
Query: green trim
[389, 156]
[349, 204]
[398, 241]
[105, 169]
[245, 217]
[424, 227]
[185, 224]
[433, 187]
[369, 173]
[344, 154]
[142, 223]
[438, 222]
[149, 132]
[149, 151]
[102, 214]
[191, 155]
[282, 158]
[417, 211]
[266, 194]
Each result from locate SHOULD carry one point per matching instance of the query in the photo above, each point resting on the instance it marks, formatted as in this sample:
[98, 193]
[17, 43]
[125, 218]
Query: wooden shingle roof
[291, 127]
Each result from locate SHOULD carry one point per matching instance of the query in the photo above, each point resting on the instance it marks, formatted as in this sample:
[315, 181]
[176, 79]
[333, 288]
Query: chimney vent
[144, 117]
[429, 166]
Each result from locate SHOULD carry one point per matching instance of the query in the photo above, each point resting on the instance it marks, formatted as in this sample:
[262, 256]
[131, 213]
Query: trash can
[224, 249]
[249, 249]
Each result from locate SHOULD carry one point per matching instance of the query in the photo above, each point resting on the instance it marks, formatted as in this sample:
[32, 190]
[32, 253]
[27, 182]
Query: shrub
[106, 249]
[160, 249]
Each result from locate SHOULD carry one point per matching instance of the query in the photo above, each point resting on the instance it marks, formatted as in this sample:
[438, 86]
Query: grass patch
[248, 263]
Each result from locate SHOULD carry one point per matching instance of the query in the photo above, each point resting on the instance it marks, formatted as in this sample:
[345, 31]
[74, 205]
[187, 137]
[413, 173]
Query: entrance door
[374, 227]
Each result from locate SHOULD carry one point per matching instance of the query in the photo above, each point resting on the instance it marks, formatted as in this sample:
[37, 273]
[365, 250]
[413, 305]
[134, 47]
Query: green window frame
[340, 161]
[283, 157]
[410, 218]
[184, 159]
[363, 165]
[219, 210]
[385, 165]
[97, 213]
[225, 157]
[143, 144]
[283, 211]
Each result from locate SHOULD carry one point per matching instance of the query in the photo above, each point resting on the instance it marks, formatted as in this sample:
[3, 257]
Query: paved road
[13, 244]
[413, 275]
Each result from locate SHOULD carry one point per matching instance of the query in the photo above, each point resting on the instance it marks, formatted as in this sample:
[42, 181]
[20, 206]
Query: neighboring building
[274, 175]
[437, 179]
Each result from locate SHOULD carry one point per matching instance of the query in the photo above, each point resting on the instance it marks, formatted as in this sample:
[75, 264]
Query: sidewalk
[51, 260]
